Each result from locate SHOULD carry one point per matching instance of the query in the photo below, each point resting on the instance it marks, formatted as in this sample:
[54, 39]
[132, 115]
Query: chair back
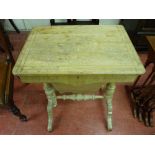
[75, 22]
[6, 65]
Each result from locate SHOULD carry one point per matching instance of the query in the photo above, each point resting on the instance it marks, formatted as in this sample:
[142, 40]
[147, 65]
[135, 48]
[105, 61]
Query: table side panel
[77, 79]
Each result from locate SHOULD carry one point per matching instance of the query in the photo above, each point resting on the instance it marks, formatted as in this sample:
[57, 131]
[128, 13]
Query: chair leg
[15, 110]
[151, 118]
[146, 118]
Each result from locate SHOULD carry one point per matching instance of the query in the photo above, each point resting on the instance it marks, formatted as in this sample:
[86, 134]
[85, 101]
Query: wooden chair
[2, 21]
[75, 22]
[6, 77]
[144, 95]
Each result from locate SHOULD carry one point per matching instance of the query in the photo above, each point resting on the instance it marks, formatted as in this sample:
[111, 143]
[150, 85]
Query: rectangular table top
[78, 50]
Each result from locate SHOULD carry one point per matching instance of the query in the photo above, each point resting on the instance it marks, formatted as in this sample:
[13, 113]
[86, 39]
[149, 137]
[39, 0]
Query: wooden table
[78, 59]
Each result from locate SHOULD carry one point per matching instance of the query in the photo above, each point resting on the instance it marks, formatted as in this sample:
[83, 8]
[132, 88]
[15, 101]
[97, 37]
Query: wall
[109, 21]
[28, 24]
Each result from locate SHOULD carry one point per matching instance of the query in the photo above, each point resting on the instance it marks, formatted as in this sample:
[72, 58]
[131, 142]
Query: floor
[70, 118]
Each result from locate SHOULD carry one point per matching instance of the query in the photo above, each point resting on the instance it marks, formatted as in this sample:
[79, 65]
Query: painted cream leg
[50, 93]
[110, 89]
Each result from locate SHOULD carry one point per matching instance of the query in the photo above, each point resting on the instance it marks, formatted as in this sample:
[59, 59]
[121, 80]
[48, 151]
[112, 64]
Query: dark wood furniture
[144, 95]
[6, 77]
[75, 22]
[138, 29]
[2, 21]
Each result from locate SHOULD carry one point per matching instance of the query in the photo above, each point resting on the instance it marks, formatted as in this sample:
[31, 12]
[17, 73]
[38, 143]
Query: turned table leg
[110, 89]
[50, 93]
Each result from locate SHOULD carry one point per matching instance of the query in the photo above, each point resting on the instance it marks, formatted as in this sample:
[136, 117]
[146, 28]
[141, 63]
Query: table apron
[77, 79]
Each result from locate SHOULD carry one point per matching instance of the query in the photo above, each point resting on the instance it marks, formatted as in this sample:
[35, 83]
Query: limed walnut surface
[77, 55]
